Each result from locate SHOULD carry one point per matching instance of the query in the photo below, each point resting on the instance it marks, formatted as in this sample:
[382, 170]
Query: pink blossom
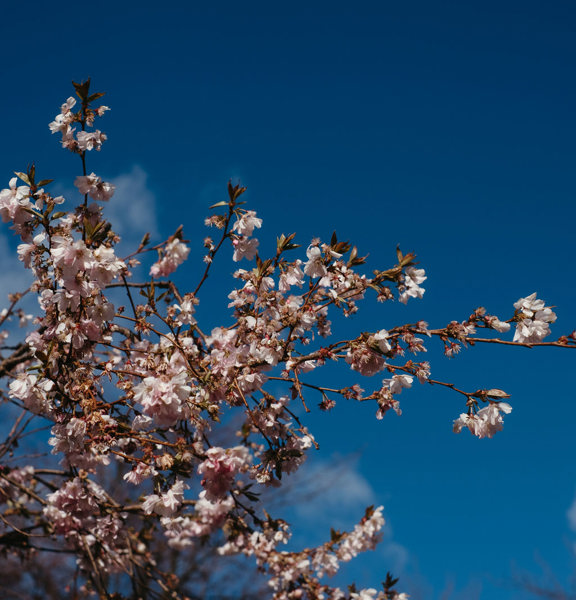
[71, 508]
[13, 200]
[208, 516]
[95, 187]
[140, 473]
[186, 311]
[293, 275]
[398, 383]
[246, 223]
[244, 248]
[486, 422]
[220, 468]
[67, 252]
[380, 339]
[496, 324]
[410, 284]
[105, 266]
[364, 360]
[61, 122]
[164, 397]
[364, 537]
[534, 318]
[26, 251]
[174, 254]
[91, 140]
[165, 504]
[315, 265]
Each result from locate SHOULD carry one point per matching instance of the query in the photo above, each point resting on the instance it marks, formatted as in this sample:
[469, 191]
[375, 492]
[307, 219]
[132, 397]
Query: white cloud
[132, 209]
[394, 554]
[336, 490]
[571, 515]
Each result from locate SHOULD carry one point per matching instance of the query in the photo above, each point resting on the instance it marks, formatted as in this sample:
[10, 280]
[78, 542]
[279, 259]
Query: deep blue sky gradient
[445, 127]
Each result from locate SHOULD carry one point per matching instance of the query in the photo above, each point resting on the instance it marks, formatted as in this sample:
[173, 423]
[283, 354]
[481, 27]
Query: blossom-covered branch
[146, 392]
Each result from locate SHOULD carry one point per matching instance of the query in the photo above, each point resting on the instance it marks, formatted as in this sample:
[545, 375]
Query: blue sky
[445, 127]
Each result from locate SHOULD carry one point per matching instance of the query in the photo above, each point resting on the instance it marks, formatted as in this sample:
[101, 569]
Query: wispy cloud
[132, 209]
[571, 515]
[337, 490]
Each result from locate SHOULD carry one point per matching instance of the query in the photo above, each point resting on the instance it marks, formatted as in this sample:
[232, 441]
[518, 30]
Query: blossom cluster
[533, 319]
[486, 422]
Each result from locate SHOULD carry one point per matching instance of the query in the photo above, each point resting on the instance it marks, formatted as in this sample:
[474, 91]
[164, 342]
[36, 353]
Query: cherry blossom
[410, 284]
[94, 187]
[174, 254]
[533, 319]
[167, 503]
[246, 223]
[315, 265]
[486, 422]
[244, 248]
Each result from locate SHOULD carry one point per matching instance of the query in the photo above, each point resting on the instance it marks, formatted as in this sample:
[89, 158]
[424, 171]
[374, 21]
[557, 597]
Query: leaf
[82, 89]
[235, 191]
[335, 535]
[357, 261]
[496, 393]
[32, 211]
[23, 177]
[283, 242]
[341, 247]
[223, 203]
[95, 96]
